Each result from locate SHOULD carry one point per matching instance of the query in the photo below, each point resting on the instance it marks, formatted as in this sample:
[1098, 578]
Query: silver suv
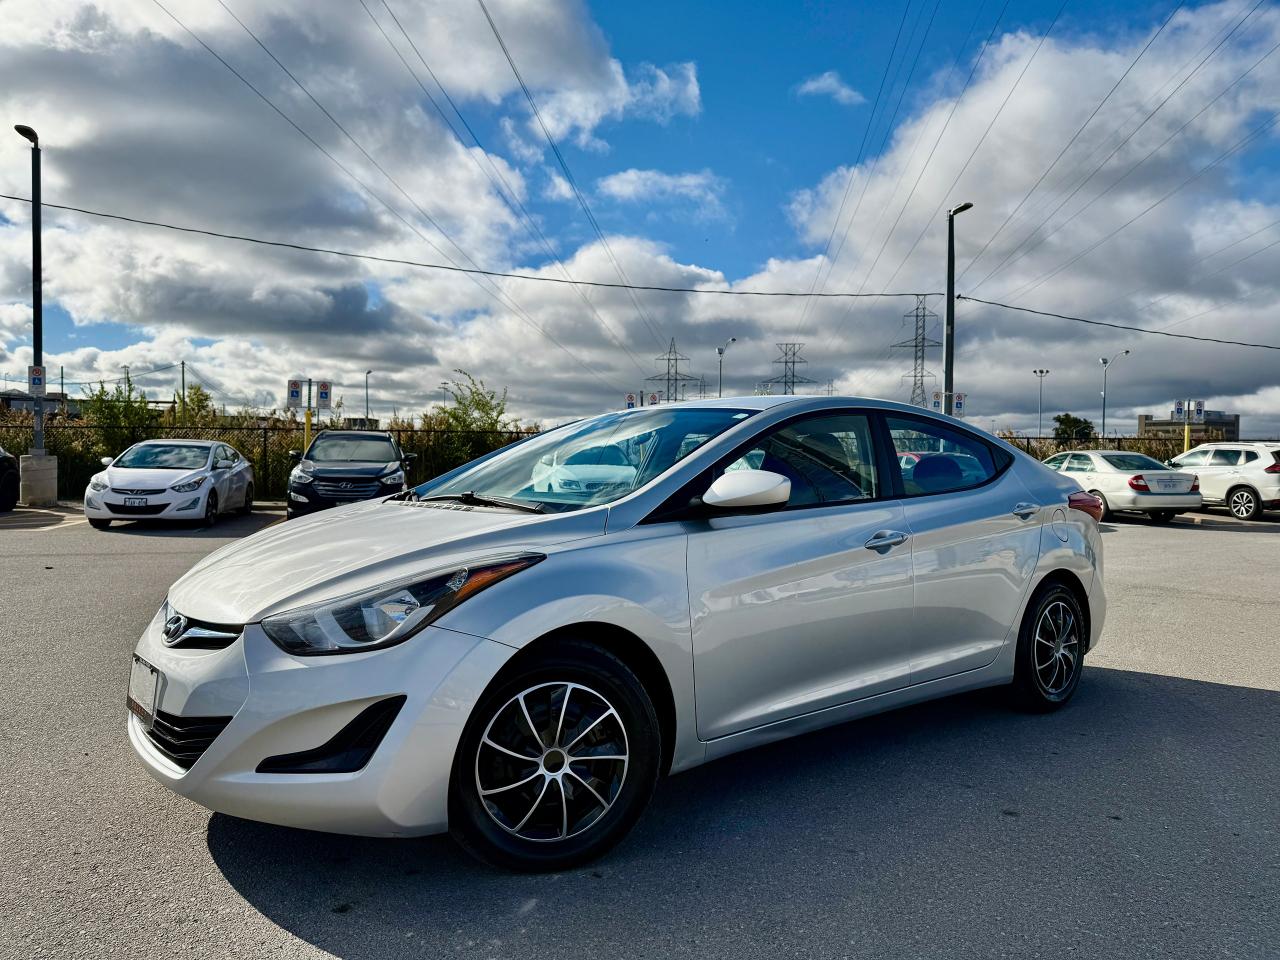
[1244, 477]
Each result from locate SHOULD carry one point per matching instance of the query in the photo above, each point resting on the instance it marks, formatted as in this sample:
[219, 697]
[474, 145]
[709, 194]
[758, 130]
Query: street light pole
[37, 275]
[1106, 365]
[720, 353]
[366, 396]
[1040, 374]
[949, 332]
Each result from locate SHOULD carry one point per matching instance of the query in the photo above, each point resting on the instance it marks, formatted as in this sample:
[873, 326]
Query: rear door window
[1078, 463]
[943, 459]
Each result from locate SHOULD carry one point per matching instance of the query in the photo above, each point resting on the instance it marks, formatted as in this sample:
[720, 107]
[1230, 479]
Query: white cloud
[703, 188]
[830, 85]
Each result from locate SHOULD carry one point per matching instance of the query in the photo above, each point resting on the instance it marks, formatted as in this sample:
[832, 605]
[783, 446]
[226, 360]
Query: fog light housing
[91, 503]
[190, 504]
[297, 496]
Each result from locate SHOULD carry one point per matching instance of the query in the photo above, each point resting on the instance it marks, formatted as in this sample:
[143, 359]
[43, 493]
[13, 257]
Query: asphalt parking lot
[1142, 821]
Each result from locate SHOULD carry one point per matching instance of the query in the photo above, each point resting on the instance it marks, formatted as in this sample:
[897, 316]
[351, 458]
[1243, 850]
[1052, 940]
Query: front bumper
[169, 505]
[281, 704]
[1150, 502]
[303, 500]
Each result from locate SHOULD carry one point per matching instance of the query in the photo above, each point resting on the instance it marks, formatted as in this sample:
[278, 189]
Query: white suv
[1245, 477]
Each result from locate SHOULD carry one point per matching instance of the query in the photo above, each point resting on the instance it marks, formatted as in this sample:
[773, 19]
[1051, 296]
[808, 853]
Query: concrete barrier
[39, 487]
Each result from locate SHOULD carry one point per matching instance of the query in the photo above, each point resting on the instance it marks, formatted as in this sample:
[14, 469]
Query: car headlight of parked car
[395, 477]
[98, 483]
[376, 619]
[298, 475]
[188, 485]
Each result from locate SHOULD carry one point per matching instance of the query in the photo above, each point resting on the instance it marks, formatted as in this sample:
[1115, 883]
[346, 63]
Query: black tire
[8, 492]
[99, 524]
[1038, 686]
[210, 510]
[1107, 513]
[1243, 503]
[246, 508]
[1161, 516]
[577, 808]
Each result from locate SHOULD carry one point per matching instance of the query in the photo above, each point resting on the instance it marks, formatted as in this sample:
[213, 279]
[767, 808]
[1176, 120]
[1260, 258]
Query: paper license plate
[144, 681]
[135, 501]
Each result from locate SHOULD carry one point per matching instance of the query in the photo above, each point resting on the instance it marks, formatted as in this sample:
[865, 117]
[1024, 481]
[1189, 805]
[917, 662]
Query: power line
[1022, 245]
[1075, 136]
[399, 261]
[1122, 326]
[573, 183]
[494, 175]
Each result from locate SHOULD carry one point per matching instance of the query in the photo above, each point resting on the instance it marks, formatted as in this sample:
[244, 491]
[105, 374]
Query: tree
[121, 414]
[1067, 427]
[473, 423]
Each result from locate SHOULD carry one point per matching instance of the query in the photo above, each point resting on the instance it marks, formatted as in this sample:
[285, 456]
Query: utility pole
[1040, 374]
[789, 378]
[62, 388]
[366, 398]
[949, 333]
[183, 395]
[306, 430]
[918, 344]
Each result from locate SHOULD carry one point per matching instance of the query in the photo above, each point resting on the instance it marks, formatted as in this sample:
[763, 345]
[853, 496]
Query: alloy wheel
[552, 761]
[1057, 648]
[1243, 504]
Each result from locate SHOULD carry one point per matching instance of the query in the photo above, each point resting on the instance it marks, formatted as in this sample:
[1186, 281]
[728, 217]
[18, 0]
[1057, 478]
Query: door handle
[884, 539]
[1024, 510]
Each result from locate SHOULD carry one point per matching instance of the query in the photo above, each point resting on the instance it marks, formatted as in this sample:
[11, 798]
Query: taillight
[1274, 468]
[1087, 502]
[1139, 483]
[1195, 483]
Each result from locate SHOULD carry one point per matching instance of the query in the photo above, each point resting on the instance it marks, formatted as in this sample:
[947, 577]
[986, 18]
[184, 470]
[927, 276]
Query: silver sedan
[769, 566]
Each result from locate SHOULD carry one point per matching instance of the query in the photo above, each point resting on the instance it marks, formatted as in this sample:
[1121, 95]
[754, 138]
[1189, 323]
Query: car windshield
[350, 449]
[1133, 461]
[594, 461]
[163, 456]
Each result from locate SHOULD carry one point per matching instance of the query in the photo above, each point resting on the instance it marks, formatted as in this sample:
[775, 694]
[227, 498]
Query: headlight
[397, 477]
[389, 615]
[298, 475]
[188, 486]
[98, 483]
[569, 484]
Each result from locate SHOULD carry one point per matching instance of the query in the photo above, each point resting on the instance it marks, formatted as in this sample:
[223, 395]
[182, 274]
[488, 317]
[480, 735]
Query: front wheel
[211, 509]
[99, 524]
[1050, 654]
[557, 761]
[1244, 504]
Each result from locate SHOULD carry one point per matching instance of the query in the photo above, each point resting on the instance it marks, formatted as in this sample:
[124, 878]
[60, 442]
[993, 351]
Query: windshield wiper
[474, 499]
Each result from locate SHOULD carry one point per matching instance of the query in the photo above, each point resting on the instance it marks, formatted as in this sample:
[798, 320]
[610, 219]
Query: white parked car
[170, 480]
[1130, 482]
[1244, 477]
[520, 666]
[605, 467]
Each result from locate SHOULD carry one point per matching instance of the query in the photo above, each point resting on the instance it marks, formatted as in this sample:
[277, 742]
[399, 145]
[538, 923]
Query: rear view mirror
[744, 489]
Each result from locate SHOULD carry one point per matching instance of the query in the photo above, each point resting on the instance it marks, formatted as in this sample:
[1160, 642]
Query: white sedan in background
[590, 471]
[1130, 482]
[170, 480]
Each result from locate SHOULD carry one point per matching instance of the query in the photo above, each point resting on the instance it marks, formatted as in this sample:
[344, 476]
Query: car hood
[147, 478]
[349, 468]
[360, 547]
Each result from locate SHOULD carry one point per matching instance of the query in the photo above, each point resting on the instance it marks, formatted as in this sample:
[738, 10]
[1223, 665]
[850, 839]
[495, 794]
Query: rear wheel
[1050, 655]
[1106, 507]
[8, 492]
[1243, 503]
[557, 761]
[99, 524]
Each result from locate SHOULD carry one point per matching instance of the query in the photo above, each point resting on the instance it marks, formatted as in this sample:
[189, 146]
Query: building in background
[53, 400]
[1205, 425]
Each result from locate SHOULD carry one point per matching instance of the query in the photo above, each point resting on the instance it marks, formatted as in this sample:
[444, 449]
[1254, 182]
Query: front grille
[137, 493]
[185, 739]
[347, 489]
[149, 510]
[206, 635]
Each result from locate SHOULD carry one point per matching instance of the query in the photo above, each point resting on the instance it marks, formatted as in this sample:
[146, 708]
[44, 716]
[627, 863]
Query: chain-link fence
[1159, 448]
[80, 448]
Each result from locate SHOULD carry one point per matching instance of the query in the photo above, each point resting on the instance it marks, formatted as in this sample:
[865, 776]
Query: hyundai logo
[174, 628]
[344, 485]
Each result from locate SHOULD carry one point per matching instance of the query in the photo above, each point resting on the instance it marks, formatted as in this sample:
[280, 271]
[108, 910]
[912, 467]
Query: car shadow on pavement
[228, 525]
[1140, 821]
[36, 518]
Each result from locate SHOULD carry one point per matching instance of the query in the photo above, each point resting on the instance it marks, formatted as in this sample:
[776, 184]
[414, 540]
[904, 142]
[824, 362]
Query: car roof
[363, 434]
[178, 442]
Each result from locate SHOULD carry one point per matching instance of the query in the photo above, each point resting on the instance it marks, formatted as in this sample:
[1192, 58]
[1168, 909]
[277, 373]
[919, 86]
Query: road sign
[653, 399]
[631, 401]
[959, 404]
[1179, 410]
[1199, 411]
[293, 396]
[937, 400]
[35, 381]
[324, 394]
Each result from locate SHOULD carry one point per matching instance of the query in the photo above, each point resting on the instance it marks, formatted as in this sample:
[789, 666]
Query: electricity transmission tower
[918, 344]
[789, 378]
[675, 382]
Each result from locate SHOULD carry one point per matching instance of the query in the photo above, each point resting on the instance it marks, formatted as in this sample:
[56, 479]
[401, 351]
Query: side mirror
[410, 457]
[546, 460]
[107, 461]
[223, 465]
[748, 489]
[295, 456]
